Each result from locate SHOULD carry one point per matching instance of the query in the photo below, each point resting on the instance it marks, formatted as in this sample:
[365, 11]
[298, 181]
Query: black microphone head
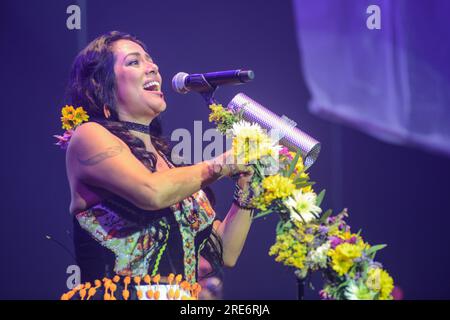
[246, 75]
[178, 82]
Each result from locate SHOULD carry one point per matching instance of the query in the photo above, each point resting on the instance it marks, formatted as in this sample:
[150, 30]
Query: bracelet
[218, 170]
[243, 198]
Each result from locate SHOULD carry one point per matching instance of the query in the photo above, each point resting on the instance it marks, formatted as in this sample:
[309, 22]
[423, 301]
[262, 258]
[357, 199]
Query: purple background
[397, 195]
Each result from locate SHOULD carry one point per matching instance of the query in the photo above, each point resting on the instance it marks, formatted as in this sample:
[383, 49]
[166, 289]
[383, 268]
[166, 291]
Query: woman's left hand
[245, 179]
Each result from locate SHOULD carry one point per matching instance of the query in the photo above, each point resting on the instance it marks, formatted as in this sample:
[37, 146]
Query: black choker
[136, 127]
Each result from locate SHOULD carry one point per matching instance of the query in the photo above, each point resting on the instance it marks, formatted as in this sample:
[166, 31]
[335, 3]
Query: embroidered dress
[140, 240]
[115, 237]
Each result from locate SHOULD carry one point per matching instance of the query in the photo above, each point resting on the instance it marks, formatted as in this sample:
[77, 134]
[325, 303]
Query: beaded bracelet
[243, 198]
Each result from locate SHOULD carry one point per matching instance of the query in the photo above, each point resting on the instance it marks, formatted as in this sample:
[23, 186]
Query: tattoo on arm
[108, 153]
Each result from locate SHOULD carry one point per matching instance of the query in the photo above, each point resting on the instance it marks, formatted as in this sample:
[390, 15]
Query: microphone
[292, 138]
[204, 82]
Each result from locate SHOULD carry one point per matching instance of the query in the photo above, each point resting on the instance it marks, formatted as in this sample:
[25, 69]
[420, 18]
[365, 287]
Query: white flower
[351, 292]
[319, 256]
[302, 206]
[358, 292]
[251, 142]
[246, 129]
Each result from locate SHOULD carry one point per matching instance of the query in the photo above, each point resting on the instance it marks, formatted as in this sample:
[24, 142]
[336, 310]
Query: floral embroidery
[193, 215]
[136, 246]
[132, 245]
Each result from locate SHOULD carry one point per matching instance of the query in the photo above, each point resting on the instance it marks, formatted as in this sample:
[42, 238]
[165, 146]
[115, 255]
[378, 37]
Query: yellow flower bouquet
[307, 239]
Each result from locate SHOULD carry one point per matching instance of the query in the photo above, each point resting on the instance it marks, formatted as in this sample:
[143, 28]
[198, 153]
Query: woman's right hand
[226, 165]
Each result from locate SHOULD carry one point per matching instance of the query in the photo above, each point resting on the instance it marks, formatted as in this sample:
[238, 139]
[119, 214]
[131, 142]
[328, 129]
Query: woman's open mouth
[153, 87]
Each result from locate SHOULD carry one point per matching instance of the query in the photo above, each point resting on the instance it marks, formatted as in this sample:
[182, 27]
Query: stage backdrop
[380, 66]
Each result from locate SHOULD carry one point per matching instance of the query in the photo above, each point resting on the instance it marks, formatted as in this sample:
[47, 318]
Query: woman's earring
[106, 112]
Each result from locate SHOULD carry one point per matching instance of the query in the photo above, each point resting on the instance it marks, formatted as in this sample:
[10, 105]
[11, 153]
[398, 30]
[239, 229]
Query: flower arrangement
[70, 119]
[108, 289]
[307, 239]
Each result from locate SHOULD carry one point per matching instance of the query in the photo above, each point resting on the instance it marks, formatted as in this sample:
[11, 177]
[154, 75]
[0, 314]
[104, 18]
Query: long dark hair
[92, 84]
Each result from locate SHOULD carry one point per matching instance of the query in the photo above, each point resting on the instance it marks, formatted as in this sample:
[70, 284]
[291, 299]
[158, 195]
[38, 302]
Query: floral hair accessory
[71, 118]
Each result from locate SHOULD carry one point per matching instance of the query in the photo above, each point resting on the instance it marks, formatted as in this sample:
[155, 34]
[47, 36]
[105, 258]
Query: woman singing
[141, 224]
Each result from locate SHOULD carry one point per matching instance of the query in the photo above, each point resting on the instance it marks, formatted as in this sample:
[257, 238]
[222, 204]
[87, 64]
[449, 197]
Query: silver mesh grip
[291, 137]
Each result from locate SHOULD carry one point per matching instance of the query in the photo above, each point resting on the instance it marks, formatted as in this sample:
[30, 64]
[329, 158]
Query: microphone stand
[300, 285]
[209, 96]
[300, 289]
[208, 93]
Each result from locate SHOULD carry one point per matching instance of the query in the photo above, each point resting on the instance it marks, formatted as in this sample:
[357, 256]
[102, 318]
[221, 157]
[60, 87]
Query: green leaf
[342, 285]
[301, 180]
[240, 115]
[287, 225]
[326, 215]
[293, 163]
[304, 184]
[282, 226]
[259, 170]
[376, 248]
[262, 214]
[279, 227]
[301, 217]
[320, 198]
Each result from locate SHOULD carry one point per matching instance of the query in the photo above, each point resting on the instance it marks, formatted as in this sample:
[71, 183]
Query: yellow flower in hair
[67, 124]
[72, 117]
[81, 115]
[68, 112]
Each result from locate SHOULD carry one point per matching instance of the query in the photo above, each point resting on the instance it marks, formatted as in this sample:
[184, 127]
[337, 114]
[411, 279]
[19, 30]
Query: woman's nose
[151, 68]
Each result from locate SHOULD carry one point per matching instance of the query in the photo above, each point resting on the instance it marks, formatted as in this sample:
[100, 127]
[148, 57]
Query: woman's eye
[133, 62]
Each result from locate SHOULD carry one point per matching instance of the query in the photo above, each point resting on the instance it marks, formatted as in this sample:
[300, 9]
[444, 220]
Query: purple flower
[285, 152]
[343, 226]
[335, 241]
[352, 240]
[323, 229]
[324, 295]
[63, 140]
